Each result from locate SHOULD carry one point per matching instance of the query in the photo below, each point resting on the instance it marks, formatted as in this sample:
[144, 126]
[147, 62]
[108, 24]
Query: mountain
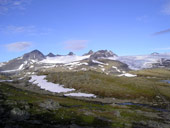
[71, 54]
[145, 61]
[36, 61]
[50, 55]
[102, 54]
[101, 61]
[89, 53]
[22, 62]
[34, 55]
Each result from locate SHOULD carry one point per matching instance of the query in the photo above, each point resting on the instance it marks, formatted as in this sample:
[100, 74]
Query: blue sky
[127, 27]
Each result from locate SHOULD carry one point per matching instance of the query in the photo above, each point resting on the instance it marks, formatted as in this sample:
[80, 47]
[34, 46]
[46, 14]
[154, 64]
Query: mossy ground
[94, 114]
[112, 86]
[72, 111]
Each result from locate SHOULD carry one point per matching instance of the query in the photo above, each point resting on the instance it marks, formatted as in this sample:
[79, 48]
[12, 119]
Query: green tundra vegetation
[104, 85]
[35, 109]
[70, 111]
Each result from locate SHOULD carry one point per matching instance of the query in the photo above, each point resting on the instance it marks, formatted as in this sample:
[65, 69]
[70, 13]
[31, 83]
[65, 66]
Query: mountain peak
[89, 53]
[71, 53]
[51, 55]
[35, 55]
[35, 51]
[102, 53]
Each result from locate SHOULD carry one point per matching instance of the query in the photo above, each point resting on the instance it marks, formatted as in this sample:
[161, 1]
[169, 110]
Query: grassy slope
[106, 85]
[156, 75]
[157, 72]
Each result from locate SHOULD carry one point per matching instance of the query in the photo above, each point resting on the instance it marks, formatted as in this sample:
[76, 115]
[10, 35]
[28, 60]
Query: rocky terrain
[97, 89]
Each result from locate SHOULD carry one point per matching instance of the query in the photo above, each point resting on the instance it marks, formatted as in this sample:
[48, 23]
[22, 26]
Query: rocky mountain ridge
[102, 60]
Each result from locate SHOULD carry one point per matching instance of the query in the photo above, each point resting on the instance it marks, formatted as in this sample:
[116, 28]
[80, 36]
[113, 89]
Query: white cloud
[18, 46]
[8, 5]
[75, 45]
[166, 8]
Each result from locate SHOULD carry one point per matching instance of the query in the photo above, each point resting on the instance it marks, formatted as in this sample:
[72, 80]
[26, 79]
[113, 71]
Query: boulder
[50, 105]
[18, 114]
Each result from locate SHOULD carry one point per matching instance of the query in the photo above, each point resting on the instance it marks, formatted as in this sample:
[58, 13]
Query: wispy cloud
[20, 29]
[18, 46]
[161, 32]
[8, 5]
[75, 45]
[27, 30]
[166, 8]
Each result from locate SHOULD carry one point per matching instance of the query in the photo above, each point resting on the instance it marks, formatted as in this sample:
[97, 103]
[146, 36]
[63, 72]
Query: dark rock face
[71, 53]
[51, 55]
[166, 62]
[102, 53]
[89, 53]
[162, 63]
[25, 59]
[34, 55]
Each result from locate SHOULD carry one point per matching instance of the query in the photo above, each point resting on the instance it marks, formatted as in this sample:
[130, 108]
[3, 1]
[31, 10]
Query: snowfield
[64, 59]
[141, 61]
[79, 94]
[44, 84]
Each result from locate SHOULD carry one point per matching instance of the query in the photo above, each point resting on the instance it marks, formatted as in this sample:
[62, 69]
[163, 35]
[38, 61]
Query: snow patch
[101, 66]
[52, 66]
[31, 66]
[14, 70]
[2, 64]
[127, 75]
[44, 84]
[116, 69]
[98, 62]
[6, 80]
[79, 94]
[21, 67]
[103, 69]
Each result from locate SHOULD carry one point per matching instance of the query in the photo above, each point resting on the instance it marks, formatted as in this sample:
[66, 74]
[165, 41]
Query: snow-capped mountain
[102, 54]
[102, 61]
[22, 62]
[35, 60]
[153, 60]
